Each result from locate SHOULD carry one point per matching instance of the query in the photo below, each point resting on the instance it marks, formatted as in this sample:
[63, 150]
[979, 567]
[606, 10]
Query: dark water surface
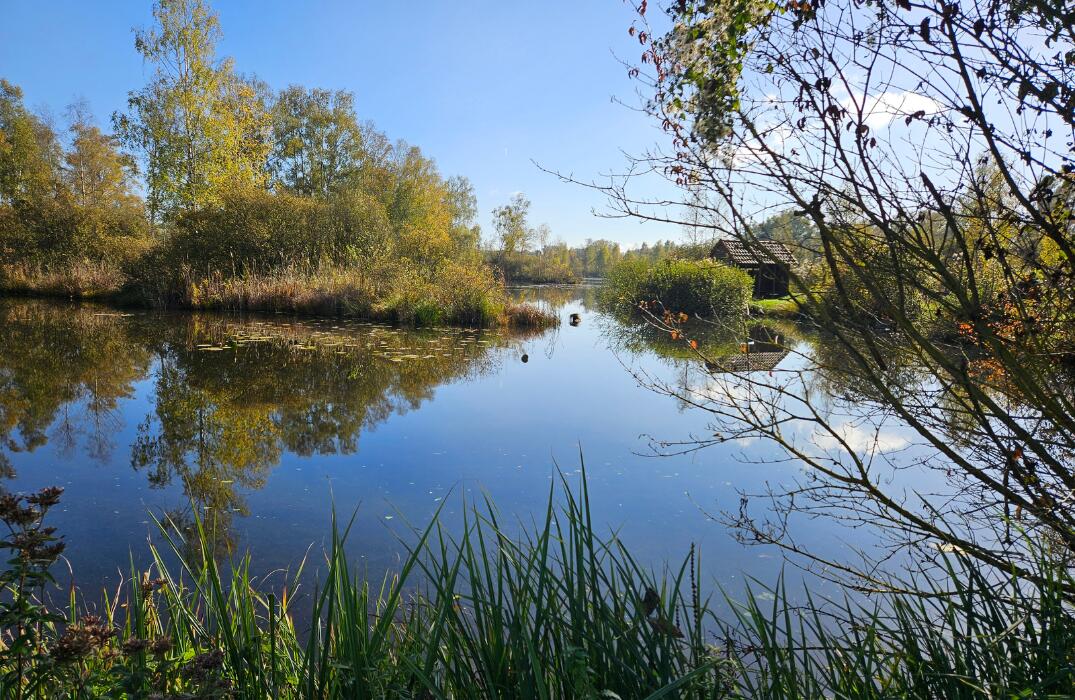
[264, 423]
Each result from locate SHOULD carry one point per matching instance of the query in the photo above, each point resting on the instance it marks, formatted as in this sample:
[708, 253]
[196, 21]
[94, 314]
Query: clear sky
[483, 86]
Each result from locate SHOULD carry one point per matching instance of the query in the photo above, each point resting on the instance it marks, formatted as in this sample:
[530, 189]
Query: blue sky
[484, 87]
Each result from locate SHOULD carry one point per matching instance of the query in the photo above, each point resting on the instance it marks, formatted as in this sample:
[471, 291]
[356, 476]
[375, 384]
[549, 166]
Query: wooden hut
[768, 262]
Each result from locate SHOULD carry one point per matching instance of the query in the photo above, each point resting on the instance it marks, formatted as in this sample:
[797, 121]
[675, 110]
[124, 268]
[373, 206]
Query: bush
[696, 287]
[250, 231]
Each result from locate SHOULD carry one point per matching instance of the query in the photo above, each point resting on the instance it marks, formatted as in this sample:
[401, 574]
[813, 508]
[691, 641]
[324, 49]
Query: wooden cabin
[767, 262]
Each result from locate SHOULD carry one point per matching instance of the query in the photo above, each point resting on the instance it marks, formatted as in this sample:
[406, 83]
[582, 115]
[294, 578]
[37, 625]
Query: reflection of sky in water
[500, 433]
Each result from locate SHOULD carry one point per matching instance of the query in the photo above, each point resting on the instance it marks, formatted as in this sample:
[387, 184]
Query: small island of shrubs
[698, 288]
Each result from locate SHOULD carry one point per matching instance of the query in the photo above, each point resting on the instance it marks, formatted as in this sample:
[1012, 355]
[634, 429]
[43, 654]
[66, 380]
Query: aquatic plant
[556, 611]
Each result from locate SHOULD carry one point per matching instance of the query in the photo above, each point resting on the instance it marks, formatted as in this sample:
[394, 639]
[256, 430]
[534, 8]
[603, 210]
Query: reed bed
[80, 280]
[529, 316]
[556, 612]
[454, 294]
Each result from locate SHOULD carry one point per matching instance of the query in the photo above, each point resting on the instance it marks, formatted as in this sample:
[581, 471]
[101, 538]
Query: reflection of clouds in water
[740, 389]
[869, 441]
[783, 401]
[726, 388]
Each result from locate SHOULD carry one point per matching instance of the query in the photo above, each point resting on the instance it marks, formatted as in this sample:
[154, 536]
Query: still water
[267, 423]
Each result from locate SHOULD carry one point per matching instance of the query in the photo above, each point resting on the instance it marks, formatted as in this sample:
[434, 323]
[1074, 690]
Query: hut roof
[753, 254]
[749, 362]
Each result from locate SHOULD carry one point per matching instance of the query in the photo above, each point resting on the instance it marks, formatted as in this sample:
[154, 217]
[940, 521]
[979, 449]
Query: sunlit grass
[454, 294]
[81, 280]
[529, 316]
[783, 307]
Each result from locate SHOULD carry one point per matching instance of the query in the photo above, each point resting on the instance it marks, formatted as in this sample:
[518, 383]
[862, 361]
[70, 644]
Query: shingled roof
[752, 255]
[748, 362]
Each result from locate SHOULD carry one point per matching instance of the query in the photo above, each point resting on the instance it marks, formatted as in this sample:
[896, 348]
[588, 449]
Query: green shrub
[250, 231]
[470, 294]
[696, 287]
[427, 314]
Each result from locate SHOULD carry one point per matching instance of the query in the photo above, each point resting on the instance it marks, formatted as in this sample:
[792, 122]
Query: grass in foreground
[555, 613]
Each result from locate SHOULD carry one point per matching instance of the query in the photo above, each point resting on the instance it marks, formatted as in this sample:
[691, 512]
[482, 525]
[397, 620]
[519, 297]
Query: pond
[265, 424]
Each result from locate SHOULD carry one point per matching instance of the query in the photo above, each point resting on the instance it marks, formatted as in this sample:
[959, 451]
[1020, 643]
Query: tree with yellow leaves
[200, 127]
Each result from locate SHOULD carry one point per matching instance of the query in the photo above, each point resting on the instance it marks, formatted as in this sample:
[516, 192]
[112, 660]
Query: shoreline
[515, 315]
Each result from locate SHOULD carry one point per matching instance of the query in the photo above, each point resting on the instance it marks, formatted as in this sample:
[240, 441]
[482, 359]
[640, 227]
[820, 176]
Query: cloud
[878, 111]
[861, 441]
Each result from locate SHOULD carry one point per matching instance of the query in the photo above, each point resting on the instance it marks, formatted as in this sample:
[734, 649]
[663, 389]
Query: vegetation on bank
[942, 277]
[253, 200]
[702, 288]
[557, 611]
[525, 254]
[559, 263]
[782, 307]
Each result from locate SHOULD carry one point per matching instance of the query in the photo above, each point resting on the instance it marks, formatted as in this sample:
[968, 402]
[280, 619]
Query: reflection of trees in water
[748, 345]
[869, 435]
[556, 297]
[66, 361]
[213, 446]
[224, 417]
[231, 396]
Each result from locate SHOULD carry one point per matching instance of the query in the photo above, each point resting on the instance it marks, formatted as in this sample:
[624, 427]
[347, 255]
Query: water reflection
[62, 373]
[749, 345]
[261, 425]
[230, 397]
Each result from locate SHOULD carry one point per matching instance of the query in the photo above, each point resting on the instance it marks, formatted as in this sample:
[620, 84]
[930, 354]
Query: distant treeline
[560, 263]
[543, 262]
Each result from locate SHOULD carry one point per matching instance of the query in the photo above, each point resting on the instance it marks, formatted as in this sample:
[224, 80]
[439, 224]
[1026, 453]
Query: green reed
[549, 610]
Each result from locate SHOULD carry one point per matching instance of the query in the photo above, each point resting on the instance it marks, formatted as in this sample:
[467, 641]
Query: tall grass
[962, 635]
[554, 612]
[452, 293]
[77, 279]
